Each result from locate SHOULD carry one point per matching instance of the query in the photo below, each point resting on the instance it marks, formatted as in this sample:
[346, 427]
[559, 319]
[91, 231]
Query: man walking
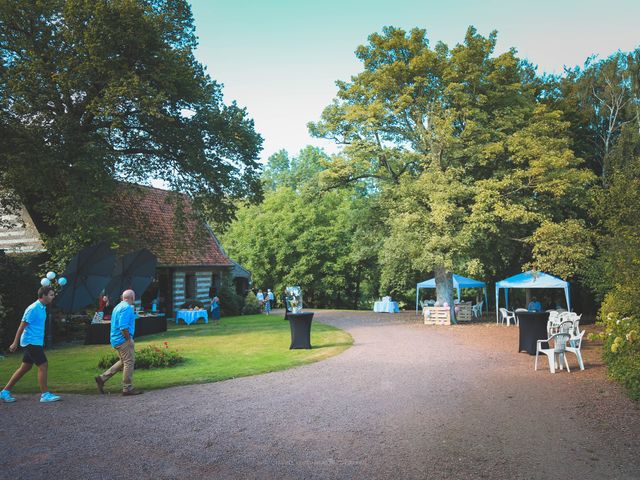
[30, 336]
[122, 329]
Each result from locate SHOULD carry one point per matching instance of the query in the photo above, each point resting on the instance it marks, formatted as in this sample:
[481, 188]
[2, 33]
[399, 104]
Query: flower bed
[151, 356]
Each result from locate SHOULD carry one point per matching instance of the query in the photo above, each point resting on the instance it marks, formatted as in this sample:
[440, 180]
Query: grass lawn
[235, 347]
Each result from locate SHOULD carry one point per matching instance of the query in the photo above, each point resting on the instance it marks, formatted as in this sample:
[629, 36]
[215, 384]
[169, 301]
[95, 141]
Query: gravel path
[406, 401]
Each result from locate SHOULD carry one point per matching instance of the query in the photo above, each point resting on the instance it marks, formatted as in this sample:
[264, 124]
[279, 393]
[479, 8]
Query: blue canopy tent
[459, 282]
[530, 279]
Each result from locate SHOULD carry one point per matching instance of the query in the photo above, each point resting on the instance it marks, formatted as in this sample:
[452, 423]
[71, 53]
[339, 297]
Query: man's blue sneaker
[5, 395]
[49, 397]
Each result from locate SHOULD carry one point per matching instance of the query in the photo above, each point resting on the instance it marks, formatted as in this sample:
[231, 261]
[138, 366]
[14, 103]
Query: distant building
[191, 261]
[21, 236]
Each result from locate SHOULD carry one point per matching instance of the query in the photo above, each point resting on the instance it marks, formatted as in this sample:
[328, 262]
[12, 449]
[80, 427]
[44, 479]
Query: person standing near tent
[30, 336]
[267, 305]
[123, 326]
[534, 305]
[215, 308]
[260, 297]
[272, 298]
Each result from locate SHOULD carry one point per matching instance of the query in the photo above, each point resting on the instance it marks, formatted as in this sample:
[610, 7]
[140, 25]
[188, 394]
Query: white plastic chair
[553, 323]
[506, 316]
[566, 326]
[559, 348]
[477, 309]
[575, 343]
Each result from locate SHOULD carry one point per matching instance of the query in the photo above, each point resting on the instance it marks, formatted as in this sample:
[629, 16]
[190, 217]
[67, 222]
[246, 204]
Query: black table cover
[533, 327]
[98, 333]
[300, 329]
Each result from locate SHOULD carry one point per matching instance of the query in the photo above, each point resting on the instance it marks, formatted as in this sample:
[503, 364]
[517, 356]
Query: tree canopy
[462, 148]
[97, 91]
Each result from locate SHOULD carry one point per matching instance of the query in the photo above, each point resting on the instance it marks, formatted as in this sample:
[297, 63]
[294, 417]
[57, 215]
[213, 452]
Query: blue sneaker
[49, 397]
[5, 395]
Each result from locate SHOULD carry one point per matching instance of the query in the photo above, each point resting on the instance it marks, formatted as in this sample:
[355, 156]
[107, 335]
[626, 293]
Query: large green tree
[94, 91]
[294, 172]
[599, 100]
[469, 161]
[325, 241]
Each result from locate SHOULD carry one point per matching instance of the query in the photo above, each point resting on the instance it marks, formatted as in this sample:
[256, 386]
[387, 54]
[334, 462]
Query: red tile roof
[147, 216]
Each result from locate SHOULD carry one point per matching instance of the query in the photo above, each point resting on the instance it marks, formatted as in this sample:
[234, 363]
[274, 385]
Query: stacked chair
[563, 330]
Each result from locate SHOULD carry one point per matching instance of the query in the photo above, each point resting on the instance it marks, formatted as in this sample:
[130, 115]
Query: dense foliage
[92, 92]
[468, 159]
[300, 235]
[251, 304]
[18, 289]
[231, 302]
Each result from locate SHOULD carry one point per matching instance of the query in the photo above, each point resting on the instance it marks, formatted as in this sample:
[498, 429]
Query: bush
[251, 304]
[18, 289]
[151, 356]
[231, 302]
[621, 340]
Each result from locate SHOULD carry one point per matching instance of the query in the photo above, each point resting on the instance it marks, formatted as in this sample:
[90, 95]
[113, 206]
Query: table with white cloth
[386, 306]
[191, 316]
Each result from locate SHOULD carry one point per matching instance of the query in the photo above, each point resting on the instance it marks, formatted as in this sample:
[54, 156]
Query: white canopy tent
[459, 282]
[530, 279]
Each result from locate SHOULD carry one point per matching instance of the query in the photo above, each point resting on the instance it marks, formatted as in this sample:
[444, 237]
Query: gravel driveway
[406, 401]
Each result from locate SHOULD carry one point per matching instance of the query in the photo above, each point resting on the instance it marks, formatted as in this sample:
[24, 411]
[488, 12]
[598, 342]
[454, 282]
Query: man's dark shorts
[34, 354]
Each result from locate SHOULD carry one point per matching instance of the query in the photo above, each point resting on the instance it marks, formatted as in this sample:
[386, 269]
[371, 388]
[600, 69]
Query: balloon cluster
[46, 281]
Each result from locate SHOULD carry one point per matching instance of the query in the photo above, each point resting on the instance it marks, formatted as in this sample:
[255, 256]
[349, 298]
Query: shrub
[621, 340]
[231, 302]
[18, 289]
[151, 356]
[251, 304]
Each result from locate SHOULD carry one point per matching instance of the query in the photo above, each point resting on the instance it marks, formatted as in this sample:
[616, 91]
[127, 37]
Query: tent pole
[486, 306]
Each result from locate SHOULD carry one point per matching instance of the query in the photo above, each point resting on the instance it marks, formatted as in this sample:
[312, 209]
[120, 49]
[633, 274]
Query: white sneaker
[6, 397]
[49, 397]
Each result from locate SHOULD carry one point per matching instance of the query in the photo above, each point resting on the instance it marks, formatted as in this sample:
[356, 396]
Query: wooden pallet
[437, 316]
[464, 313]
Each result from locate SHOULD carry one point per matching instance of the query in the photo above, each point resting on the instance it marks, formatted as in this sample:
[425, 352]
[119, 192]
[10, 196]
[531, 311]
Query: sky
[280, 58]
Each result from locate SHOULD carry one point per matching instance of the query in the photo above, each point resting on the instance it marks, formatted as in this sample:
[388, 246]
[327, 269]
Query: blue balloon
[62, 281]
[45, 282]
[51, 275]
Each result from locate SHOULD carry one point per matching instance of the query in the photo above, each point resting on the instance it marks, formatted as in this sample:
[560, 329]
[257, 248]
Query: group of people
[30, 337]
[266, 300]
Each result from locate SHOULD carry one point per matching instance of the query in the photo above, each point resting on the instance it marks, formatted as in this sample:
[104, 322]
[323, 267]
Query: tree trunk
[444, 290]
[527, 297]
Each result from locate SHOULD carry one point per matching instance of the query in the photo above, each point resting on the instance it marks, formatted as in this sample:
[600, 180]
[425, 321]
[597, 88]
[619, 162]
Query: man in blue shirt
[123, 325]
[30, 336]
[534, 305]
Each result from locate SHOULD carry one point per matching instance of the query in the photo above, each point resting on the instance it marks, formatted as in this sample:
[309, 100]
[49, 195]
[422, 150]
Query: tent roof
[532, 279]
[458, 282]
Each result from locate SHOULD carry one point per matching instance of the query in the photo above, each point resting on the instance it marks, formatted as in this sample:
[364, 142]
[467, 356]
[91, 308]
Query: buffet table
[386, 306]
[99, 333]
[191, 316]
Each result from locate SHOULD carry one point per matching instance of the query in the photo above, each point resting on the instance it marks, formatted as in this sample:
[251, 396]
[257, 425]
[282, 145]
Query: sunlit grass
[235, 347]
